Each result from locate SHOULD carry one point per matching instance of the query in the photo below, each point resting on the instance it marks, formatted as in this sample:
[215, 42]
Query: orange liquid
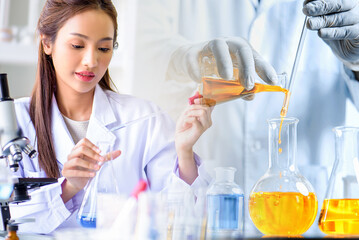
[217, 91]
[340, 216]
[282, 213]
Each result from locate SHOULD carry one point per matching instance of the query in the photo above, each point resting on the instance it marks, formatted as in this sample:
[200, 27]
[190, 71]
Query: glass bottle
[282, 202]
[104, 181]
[12, 235]
[225, 205]
[215, 89]
[6, 182]
[340, 209]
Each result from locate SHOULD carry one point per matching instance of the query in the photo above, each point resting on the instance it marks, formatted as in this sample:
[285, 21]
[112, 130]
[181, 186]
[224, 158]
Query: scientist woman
[72, 107]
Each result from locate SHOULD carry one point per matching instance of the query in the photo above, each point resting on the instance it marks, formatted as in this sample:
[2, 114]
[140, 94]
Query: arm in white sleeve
[352, 84]
[162, 168]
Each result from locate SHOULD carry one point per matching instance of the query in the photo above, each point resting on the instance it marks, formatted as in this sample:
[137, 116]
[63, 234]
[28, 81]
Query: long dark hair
[53, 16]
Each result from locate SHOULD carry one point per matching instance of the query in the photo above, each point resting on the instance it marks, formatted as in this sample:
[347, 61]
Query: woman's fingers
[69, 173]
[199, 113]
[82, 163]
[84, 148]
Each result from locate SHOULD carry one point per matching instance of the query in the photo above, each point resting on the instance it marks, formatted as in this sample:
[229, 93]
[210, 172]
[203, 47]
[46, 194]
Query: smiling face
[82, 51]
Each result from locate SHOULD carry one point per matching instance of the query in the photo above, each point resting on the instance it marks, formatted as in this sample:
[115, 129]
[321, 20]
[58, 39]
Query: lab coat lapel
[101, 116]
[63, 143]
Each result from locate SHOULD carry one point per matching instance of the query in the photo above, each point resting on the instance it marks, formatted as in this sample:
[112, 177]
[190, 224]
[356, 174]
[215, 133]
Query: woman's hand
[193, 122]
[82, 164]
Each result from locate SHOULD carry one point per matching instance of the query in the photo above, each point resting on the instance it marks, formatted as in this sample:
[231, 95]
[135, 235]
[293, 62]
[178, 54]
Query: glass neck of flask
[282, 144]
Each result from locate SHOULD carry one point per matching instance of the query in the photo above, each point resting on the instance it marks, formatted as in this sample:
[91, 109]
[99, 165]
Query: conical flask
[225, 205]
[282, 202]
[215, 89]
[103, 182]
[340, 209]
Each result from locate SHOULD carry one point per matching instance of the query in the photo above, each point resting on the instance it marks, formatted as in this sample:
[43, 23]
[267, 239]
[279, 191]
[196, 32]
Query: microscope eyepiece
[4, 88]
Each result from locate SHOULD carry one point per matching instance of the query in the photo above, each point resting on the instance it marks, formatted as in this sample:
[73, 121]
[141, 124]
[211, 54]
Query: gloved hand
[185, 61]
[337, 22]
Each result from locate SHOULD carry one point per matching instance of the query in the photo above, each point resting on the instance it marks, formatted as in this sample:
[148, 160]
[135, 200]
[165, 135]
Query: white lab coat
[239, 134]
[147, 147]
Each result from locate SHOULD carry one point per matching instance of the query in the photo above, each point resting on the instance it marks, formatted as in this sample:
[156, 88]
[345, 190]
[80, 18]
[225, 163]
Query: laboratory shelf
[14, 53]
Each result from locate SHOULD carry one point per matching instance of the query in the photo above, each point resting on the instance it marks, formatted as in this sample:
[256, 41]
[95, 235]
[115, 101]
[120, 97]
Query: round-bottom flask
[282, 202]
[340, 209]
[225, 206]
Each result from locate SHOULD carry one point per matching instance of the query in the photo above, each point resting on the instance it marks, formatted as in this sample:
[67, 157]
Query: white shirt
[147, 147]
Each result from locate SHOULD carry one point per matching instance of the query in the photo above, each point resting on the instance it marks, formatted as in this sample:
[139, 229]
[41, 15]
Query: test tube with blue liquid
[87, 215]
[225, 205]
[88, 211]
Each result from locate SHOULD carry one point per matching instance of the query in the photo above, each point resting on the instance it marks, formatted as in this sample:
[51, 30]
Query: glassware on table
[103, 182]
[215, 89]
[225, 205]
[282, 202]
[340, 209]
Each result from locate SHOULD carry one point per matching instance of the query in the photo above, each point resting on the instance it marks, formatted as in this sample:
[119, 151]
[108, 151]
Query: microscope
[12, 145]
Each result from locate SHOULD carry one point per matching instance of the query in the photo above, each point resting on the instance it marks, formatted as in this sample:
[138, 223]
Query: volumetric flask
[104, 181]
[215, 89]
[282, 202]
[225, 206]
[340, 209]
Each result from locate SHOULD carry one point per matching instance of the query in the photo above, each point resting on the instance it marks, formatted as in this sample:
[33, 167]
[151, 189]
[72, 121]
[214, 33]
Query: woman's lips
[85, 76]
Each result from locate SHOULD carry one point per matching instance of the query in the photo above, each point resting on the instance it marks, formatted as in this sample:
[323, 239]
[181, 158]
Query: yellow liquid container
[217, 91]
[282, 202]
[340, 216]
[282, 213]
[340, 209]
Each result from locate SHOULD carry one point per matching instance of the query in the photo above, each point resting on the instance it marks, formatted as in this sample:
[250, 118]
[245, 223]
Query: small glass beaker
[103, 182]
[215, 89]
[340, 209]
[225, 205]
[282, 202]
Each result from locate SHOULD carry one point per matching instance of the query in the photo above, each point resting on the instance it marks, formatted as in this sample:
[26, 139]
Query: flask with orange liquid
[215, 89]
[282, 202]
[340, 209]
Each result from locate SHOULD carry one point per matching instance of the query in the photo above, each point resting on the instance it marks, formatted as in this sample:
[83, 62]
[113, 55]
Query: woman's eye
[104, 49]
[77, 46]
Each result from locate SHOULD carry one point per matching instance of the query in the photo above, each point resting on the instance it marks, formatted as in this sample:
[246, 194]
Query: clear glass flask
[104, 181]
[282, 202]
[225, 205]
[340, 209]
[215, 89]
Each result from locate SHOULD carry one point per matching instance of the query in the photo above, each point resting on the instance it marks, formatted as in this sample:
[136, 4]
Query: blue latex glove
[337, 23]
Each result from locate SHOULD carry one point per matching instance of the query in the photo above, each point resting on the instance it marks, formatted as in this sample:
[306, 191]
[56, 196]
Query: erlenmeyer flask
[340, 209]
[216, 90]
[282, 202]
[104, 181]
